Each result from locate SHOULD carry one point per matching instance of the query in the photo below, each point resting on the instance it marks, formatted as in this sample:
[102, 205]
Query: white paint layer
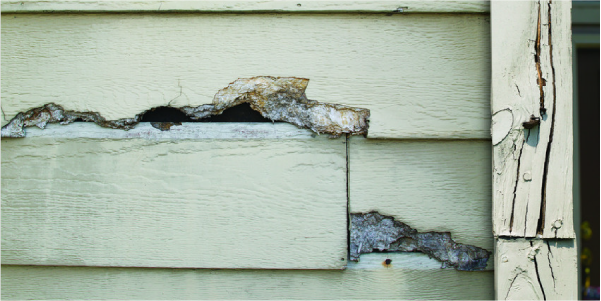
[159, 202]
[420, 75]
[532, 79]
[23, 282]
[28, 6]
[536, 269]
[441, 186]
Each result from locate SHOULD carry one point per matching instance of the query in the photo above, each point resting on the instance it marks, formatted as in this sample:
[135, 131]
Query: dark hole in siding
[165, 114]
[239, 113]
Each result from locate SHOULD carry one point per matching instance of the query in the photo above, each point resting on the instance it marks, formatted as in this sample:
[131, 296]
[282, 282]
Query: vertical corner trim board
[531, 104]
[535, 269]
[532, 119]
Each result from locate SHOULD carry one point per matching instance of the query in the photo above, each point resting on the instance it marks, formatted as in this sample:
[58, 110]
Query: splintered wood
[532, 119]
[532, 150]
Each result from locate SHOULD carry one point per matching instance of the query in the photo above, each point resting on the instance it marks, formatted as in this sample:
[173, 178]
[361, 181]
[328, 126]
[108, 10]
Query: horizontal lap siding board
[442, 186]
[161, 202]
[25, 282]
[421, 75]
[245, 6]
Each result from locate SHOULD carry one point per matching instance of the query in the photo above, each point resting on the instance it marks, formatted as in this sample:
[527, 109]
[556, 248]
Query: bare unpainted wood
[29, 6]
[441, 186]
[160, 202]
[366, 283]
[420, 75]
[538, 269]
[532, 119]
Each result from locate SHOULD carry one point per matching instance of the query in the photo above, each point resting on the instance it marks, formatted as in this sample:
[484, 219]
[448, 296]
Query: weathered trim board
[536, 269]
[35, 6]
[532, 120]
[376, 282]
[422, 76]
[536, 254]
[203, 203]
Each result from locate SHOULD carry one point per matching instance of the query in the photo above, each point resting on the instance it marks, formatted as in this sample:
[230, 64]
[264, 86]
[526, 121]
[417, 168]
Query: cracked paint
[276, 98]
[374, 232]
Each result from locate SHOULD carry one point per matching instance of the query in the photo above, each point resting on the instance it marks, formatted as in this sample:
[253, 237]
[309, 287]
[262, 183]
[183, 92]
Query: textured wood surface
[421, 75]
[532, 152]
[429, 185]
[245, 6]
[536, 269]
[26, 282]
[210, 203]
[532, 166]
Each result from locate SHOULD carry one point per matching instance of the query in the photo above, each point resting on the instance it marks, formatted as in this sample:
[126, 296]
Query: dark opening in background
[588, 123]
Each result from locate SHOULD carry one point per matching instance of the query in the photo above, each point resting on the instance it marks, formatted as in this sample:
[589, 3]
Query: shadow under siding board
[420, 75]
[441, 186]
[223, 201]
[377, 282]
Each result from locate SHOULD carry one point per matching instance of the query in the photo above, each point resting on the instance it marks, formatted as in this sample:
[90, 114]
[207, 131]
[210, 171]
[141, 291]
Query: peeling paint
[276, 98]
[53, 113]
[374, 232]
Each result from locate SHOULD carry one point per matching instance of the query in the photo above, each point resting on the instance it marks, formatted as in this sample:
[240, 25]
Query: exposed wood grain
[245, 6]
[429, 185]
[421, 75]
[531, 76]
[536, 269]
[159, 202]
[22, 282]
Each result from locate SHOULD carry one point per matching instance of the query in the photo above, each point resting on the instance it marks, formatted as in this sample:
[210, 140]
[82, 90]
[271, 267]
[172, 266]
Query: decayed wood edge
[275, 98]
[532, 119]
[250, 6]
[373, 231]
[536, 269]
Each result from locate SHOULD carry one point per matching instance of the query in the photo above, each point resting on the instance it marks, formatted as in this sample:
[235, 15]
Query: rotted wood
[532, 119]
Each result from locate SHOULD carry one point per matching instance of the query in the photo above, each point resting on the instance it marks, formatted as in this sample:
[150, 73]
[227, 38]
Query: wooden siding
[461, 6]
[421, 75]
[442, 186]
[410, 280]
[425, 77]
[202, 203]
